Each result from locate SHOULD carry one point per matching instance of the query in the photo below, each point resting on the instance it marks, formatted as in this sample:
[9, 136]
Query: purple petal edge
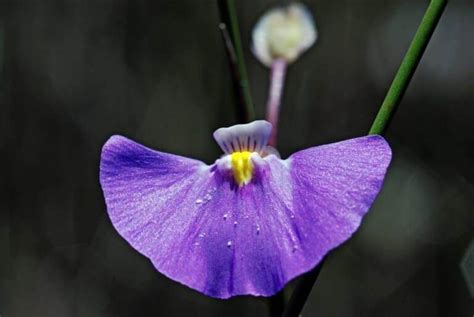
[201, 231]
[335, 186]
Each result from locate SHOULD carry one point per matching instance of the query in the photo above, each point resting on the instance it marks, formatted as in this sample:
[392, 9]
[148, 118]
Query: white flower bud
[283, 33]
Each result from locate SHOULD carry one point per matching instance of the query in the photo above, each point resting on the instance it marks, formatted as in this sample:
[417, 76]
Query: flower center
[242, 167]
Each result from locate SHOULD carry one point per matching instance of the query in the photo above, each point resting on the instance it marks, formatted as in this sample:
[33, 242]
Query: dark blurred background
[72, 73]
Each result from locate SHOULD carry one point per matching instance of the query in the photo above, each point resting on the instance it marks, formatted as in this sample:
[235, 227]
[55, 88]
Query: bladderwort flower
[248, 223]
[280, 36]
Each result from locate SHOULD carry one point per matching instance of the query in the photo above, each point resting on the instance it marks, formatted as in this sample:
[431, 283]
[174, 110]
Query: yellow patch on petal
[242, 167]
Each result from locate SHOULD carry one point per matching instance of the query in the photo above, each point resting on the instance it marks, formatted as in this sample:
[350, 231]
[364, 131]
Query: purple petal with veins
[199, 228]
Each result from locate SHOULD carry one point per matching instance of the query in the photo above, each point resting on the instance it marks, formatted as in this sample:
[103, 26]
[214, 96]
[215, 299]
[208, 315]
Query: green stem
[381, 122]
[302, 291]
[408, 66]
[276, 304]
[229, 16]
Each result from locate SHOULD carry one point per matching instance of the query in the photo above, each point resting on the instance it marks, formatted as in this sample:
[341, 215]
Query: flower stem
[228, 16]
[381, 122]
[301, 292]
[277, 81]
[276, 304]
[408, 66]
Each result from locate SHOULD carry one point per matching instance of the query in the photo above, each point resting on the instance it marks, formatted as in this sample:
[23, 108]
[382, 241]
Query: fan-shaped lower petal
[202, 230]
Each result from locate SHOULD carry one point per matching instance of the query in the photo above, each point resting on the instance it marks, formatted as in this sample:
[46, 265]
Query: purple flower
[248, 223]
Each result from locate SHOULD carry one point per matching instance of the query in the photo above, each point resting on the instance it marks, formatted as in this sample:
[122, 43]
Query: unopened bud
[283, 33]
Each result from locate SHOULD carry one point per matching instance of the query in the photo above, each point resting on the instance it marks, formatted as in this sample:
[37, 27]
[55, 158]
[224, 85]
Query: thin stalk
[276, 304]
[234, 72]
[277, 81]
[228, 16]
[408, 66]
[229, 46]
[381, 122]
[301, 292]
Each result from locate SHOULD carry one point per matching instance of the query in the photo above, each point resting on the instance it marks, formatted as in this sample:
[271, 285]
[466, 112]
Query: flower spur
[248, 223]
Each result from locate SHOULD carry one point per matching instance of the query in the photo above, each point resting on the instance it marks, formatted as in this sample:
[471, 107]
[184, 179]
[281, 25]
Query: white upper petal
[252, 137]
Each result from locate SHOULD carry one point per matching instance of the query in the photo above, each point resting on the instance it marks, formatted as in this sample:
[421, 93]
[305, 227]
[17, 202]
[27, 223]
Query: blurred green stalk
[408, 66]
[228, 16]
